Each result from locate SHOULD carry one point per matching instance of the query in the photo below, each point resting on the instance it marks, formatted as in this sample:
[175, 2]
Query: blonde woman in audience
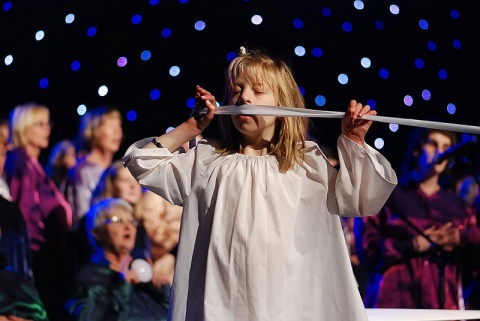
[99, 138]
[47, 214]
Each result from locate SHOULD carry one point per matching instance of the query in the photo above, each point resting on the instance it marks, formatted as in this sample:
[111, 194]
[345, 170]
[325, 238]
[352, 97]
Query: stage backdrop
[412, 59]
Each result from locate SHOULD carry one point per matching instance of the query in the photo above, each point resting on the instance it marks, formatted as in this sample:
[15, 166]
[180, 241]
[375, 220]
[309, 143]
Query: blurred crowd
[71, 229]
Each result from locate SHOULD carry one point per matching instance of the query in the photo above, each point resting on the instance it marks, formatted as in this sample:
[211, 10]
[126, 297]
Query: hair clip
[243, 51]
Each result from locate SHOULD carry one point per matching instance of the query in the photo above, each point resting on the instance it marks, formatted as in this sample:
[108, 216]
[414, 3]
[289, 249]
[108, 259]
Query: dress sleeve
[365, 179]
[161, 171]
[381, 249]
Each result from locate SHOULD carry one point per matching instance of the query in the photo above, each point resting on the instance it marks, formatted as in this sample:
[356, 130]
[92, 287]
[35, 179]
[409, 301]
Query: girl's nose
[239, 101]
[243, 99]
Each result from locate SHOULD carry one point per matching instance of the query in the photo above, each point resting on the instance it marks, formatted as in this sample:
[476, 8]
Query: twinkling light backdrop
[412, 59]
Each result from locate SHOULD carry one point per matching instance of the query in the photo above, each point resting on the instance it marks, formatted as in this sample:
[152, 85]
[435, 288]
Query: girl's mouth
[244, 117]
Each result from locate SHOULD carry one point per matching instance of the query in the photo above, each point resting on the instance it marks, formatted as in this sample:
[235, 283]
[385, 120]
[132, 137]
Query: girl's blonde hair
[289, 131]
[22, 117]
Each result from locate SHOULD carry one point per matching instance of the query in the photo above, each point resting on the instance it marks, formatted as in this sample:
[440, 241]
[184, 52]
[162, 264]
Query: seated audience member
[99, 137]
[62, 158]
[106, 289]
[162, 225]
[44, 208]
[115, 181]
[19, 299]
[15, 245]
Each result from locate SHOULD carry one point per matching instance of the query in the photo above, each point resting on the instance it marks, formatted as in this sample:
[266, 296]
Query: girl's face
[126, 186]
[38, 133]
[253, 127]
[436, 144]
[110, 134]
[69, 159]
[121, 231]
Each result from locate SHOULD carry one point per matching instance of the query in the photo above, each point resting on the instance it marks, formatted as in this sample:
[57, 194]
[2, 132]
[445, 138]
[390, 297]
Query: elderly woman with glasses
[106, 288]
[116, 181]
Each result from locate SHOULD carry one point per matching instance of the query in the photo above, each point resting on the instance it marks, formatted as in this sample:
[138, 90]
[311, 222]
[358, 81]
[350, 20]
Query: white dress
[256, 244]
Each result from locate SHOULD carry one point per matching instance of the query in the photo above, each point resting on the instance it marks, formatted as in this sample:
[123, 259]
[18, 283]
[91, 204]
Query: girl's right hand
[203, 97]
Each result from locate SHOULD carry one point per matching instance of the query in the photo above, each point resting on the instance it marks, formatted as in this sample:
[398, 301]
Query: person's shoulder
[86, 167]
[17, 156]
[312, 149]
[210, 144]
[92, 273]
[311, 145]
[81, 163]
[11, 279]
[449, 196]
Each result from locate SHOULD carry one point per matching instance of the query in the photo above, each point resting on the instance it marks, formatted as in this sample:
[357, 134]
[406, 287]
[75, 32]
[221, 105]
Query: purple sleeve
[378, 245]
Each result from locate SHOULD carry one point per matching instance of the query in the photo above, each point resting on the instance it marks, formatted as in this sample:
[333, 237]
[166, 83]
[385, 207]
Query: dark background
[202, 58]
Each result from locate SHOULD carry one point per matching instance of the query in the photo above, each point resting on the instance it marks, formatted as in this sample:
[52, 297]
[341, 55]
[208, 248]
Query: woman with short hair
[106, 288]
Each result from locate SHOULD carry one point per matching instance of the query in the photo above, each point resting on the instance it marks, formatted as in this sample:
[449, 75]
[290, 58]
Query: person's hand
[163, 270]
[448, 237]
[203, 98]
[421, 244]
[353, 126]
[128, 275]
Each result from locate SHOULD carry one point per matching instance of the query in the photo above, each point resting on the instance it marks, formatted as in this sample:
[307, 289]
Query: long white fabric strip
[302, 112]
[421, 315]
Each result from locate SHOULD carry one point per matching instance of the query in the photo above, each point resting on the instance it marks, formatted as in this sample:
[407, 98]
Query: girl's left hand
[353, 126]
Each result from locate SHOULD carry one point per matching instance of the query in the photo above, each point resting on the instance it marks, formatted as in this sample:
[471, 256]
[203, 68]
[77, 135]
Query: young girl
[261, 237]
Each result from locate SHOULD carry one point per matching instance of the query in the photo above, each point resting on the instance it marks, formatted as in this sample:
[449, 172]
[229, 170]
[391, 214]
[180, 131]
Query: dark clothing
[101, 294]
[470, 260]
[402, 277]
[14, 243]
[18, 297]
[80, 249]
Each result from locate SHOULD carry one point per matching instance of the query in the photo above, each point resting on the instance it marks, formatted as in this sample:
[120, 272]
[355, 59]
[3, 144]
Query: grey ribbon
[303, 112]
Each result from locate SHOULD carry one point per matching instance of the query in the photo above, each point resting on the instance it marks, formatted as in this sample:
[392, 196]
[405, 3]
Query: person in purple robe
[47, 214]
[414, 244]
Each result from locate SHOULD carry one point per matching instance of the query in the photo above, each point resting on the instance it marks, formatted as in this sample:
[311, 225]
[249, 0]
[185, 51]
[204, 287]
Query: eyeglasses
[121, 220]
[43, 124]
